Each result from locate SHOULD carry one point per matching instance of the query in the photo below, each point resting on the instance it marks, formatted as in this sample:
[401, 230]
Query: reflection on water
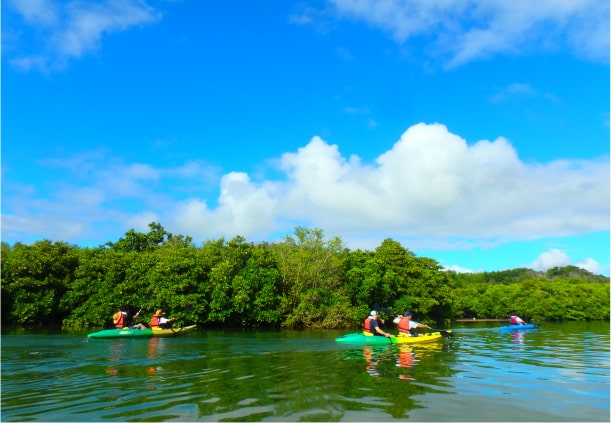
[557, 373]
[403, 356]
[519, 336]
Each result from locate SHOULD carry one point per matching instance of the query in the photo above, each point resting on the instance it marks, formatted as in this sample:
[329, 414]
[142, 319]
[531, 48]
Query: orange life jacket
[119, 323]
[155, 321]
[403, 325]
[367, 325]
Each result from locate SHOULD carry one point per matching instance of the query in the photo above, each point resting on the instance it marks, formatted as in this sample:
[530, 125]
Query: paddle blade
[446, 333]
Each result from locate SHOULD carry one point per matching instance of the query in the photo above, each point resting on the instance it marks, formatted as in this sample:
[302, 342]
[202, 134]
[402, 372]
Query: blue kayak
[519, 327]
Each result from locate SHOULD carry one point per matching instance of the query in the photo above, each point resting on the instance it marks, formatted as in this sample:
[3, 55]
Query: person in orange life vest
[515, 320]
[122, 319]
[407, 326]
[372, 326]
[158, 321]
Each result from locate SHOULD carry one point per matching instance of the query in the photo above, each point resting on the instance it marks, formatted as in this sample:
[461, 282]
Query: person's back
[515, 320]
[119, 319]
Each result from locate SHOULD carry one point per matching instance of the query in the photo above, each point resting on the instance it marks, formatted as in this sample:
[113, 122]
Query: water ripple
[479, 375]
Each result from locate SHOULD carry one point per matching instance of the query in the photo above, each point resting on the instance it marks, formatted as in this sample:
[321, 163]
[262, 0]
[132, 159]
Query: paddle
[444, 333]
[184, 311]
[389, 312]
[148, 297]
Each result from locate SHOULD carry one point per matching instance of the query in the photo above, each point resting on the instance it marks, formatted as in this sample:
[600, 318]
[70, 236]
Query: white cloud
[551, 258]
[558, 258]
[459, 269]
[72, 29]
[467, 30]
[590, 265]
[431, 187]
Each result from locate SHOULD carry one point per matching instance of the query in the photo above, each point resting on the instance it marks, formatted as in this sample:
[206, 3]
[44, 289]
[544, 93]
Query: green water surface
[559, 372]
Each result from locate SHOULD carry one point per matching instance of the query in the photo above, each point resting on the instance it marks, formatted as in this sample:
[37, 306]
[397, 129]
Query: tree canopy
[304, 281]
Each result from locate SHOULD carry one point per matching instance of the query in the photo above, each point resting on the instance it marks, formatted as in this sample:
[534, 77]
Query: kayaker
[372, 325]
[515, 319]
[160, 322]
[407, 326]
[122, 319]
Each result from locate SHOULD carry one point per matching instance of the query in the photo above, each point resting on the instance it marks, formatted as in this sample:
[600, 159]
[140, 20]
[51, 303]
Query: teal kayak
[362, 339]
[141, 333]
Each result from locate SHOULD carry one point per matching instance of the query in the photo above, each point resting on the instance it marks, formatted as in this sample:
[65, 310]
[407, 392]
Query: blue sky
[472, 132]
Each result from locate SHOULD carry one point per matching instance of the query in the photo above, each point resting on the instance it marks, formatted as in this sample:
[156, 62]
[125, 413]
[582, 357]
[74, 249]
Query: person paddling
[407, 326]
[515, 319]
[122, 319]
[372, 325]
[160, 322]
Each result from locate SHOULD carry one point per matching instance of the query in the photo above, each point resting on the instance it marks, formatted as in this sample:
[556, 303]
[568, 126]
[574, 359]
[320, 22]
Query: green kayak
[141, 333]
[365, 339]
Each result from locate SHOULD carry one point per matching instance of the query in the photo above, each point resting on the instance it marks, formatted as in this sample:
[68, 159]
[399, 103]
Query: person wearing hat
[158, 321]
[372, 325]
[122, 319]
[407, 326]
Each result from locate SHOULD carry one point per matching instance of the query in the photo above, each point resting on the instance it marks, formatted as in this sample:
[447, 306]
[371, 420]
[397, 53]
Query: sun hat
[116, 317]
[159, 313]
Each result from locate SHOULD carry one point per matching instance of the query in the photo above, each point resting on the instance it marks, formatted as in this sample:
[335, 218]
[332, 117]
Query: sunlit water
[559, 372]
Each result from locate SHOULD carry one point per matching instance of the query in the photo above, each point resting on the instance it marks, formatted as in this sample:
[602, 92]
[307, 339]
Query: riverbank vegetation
[303, 281]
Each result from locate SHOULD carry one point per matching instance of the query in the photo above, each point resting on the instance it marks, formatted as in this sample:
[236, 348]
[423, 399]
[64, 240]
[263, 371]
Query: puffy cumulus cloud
[433, 184]
[551, 258]
[431, 187]
[558, 258]
[71, 29]
[466, 30]
[244, 208]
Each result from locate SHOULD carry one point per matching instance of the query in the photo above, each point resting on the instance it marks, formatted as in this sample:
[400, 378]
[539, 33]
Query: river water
[559, 372]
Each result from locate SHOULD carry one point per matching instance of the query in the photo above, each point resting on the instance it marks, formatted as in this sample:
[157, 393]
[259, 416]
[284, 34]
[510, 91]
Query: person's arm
[381, 332]
[420, 325]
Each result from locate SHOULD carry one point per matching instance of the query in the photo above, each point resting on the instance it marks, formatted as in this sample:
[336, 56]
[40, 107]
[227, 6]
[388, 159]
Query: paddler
[372, 325]
[122, 319]
[407, 326]
[160, 322]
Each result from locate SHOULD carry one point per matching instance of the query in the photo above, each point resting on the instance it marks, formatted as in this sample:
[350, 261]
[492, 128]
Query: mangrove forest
[306, 280]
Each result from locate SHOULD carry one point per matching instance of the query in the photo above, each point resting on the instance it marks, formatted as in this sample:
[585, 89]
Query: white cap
[373, 313]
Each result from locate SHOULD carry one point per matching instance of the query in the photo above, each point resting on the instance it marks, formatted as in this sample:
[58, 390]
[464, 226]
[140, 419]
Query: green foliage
[34, 280]
[537, 296]
[307, 263]
[304, 281]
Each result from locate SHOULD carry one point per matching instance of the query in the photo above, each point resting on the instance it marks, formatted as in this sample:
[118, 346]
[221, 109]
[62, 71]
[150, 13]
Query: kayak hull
[519, 327]
[360, 338]
[141, 333]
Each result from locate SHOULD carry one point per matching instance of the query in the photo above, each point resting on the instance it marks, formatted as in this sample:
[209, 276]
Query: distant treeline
[304, 281]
